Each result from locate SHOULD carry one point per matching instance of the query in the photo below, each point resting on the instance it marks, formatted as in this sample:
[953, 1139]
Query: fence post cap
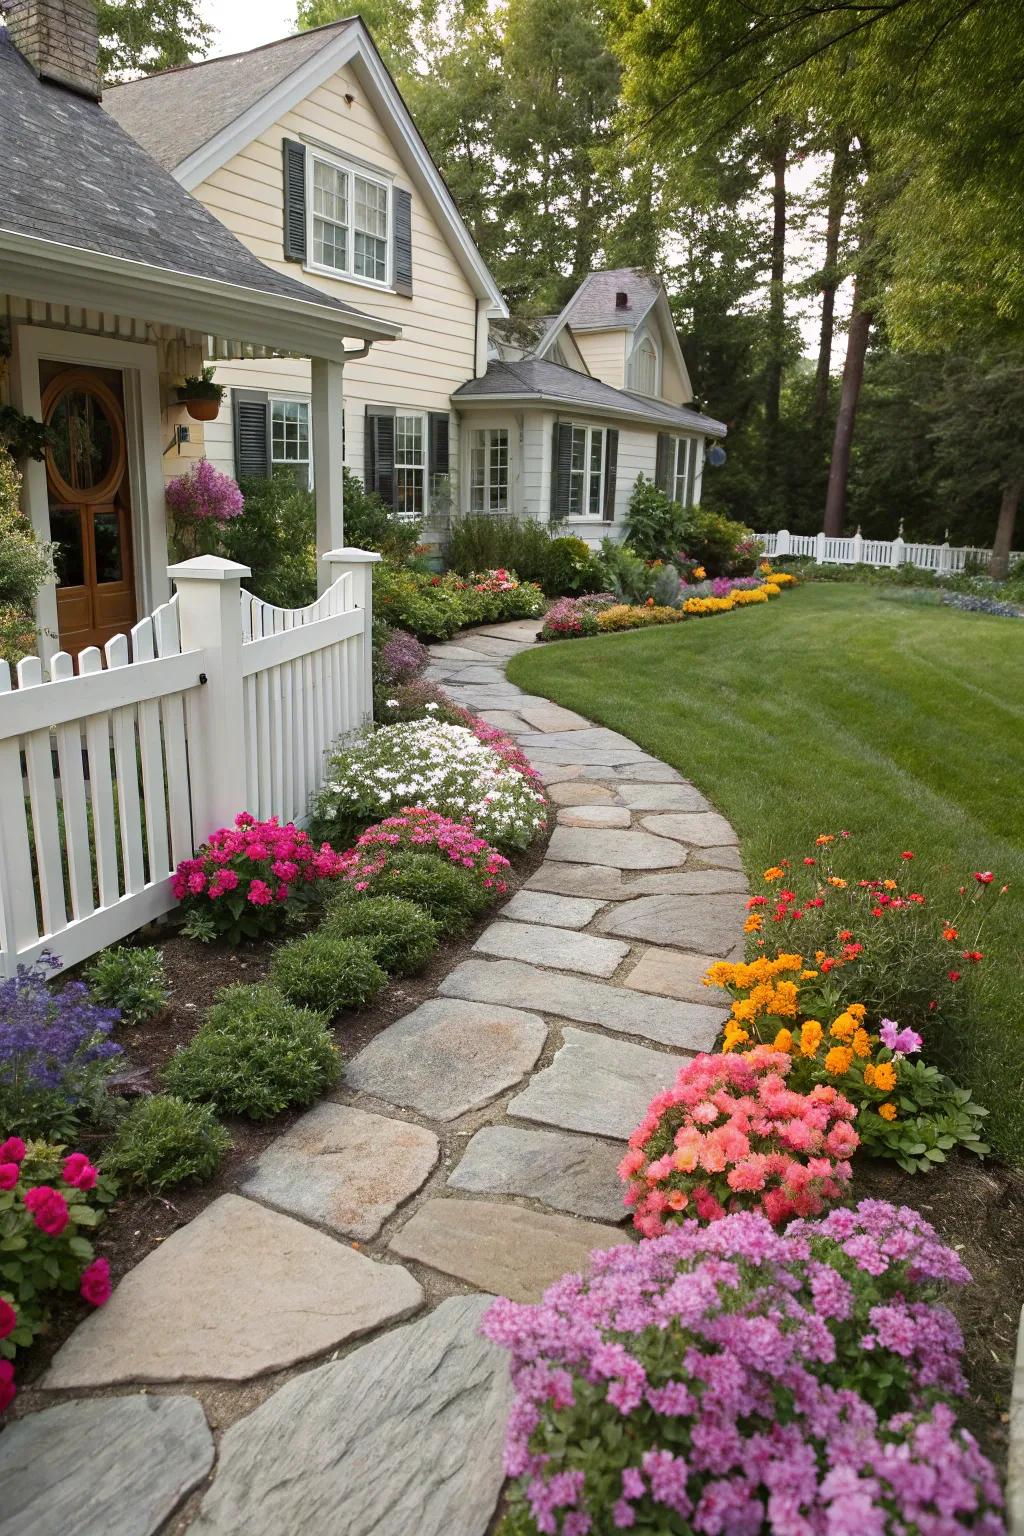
[352, 557]
[207, 568]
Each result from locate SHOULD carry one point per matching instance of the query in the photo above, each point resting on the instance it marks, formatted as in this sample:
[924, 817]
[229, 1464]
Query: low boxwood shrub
[401, 935]
[131, 980]
[328, 972]
[164, 1140]
[255, 1054]
[453, 898]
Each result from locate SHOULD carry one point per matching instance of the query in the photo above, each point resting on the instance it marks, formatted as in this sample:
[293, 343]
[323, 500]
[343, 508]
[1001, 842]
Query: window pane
[409, 465]
[66, 533]
[106, 534]
[498, 470]
[596, 459]
[330, 216]
[289, 431]
[370, 220]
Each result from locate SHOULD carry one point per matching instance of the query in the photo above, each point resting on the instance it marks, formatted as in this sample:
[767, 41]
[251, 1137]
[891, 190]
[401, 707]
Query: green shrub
[25, 565]
[164, 1140]
[327, 972]
[276, 538]
[133, 980]
[482, 542]
[450, 894]
[572, 569]
[255, 1054]
[370, 524]
[656, 526]
[626, 574]
[428, 607]
[722, 546]
[401, 935]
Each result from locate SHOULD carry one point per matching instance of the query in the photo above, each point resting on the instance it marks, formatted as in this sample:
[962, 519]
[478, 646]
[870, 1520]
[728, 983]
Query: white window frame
[655, 391]
[422, 468]
[350, 169]
[684, 470]
[482, 471]
[288, 463]
[587, 474]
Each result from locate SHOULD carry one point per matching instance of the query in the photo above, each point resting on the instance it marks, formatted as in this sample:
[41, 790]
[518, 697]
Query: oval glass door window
[86, 459]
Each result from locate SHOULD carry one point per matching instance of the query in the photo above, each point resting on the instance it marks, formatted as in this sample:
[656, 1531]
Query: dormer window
[349, 214]
[645, 367]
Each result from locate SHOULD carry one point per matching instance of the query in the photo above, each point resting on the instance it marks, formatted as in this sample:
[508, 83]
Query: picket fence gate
[111, 774]
[856, 550]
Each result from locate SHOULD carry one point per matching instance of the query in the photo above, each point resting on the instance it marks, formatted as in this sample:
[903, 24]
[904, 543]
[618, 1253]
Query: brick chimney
[60, 40]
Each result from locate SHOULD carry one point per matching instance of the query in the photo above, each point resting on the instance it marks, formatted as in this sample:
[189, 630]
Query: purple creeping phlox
[732, 1380]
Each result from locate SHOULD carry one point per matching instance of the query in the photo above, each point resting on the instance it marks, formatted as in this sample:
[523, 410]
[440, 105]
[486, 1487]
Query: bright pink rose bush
[416, 830]
[730, 1136]
[733, 1380]
[47, 1203]
[252, 877]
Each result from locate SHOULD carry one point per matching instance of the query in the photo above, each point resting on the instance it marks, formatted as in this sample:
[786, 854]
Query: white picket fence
[111, 774]
[941, 558]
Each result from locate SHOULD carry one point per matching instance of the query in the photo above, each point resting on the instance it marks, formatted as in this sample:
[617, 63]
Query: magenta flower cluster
[426, 832]
[203, 494]
[732, 1379]
[402, 657]
[571, 617]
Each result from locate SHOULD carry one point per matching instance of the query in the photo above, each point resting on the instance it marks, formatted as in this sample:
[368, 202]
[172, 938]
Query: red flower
[984, 876]
[79, 1171]
[906, 854]
[787, 895]
[932, 1006]
[949, 934]
[7, 1387]
[877, 911]
[94, 1285]
[974, 955]
[818, 901]
[851, 951]
[757, 901]
[845, 934]
[48, 1209]
[916, 896]
[810, 861]
[8, 1318]
[9, 1173]
[826, 966]
[954, 975]
[12, 1150]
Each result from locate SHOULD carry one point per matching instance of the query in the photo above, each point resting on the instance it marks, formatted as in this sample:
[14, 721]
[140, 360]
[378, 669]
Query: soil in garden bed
[138, 1223]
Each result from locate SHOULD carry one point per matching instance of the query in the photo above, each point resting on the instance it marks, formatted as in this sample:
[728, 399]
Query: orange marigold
[783, 1041]
[861, 1043]
[774, 873]
[838, 1060]
[885, 1076]
[887, 1111]
[810, 1037]
[844, 1026]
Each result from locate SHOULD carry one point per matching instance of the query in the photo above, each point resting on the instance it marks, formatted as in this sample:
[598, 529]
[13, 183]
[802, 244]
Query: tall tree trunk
[999, 565]
[777, 294]
[838, 184]
[853, 375]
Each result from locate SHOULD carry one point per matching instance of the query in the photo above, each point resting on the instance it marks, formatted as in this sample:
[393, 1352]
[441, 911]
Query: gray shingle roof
[71, 174]
[178, 111]
[593, 307]
[551, 382]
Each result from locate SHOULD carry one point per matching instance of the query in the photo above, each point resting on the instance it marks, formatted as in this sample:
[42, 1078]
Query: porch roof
[87, 217]
[535, 381]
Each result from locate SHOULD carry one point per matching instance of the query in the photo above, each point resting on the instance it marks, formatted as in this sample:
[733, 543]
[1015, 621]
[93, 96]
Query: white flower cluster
[442, 767]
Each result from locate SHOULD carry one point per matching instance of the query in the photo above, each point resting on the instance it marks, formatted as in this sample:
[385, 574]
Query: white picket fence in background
[112, 773]
[940, 558]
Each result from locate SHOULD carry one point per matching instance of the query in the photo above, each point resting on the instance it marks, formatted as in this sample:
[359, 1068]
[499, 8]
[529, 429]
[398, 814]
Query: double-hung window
[350, 220]
[289, 438]
[586, 472]
[488, 478]
[410, 466]
[684, 466]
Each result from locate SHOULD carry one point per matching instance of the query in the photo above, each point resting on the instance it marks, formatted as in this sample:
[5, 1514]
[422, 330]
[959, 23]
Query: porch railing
[115, 769]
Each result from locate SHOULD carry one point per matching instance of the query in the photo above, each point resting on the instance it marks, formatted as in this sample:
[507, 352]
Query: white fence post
[944, 559]
[819, 549]
[899, 549]
[782, 542]
[360, 563]
[208, 613]
[858, 547]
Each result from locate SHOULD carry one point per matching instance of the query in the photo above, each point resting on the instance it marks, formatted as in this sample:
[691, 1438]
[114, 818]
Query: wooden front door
[90, 506]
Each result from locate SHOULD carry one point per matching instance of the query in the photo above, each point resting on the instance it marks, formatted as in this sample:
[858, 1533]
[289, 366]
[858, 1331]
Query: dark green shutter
[439, 439]
[663, 463]
[294, 200]
[611, 464]
[401, 214]
[380, 452]
[561, 469]
[250, 412]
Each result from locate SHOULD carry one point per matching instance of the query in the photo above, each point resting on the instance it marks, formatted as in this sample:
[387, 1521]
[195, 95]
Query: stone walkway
[471, 1147]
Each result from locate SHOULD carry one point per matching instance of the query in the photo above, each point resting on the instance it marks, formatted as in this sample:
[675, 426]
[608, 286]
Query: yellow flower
[744, 1010]
[843, 1027]
[783, 1041]
[754, 923]
[887, 1111]
[885, 1076]
[856, 1011]
[808, 975]
[810, 1037]
[861, 1043]
[734, 1036]
[774, 873]
[784, 1001]
[824, 838]
[840, 885]
[838, 1060]
[890, 885]
[699, 573]
[721, 974]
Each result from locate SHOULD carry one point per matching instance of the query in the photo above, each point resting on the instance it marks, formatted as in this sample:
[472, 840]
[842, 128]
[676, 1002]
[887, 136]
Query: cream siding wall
[673, 386]
[605, 354]
[440, 341]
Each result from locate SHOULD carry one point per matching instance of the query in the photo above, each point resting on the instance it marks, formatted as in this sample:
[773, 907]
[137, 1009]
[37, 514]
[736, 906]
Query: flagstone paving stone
[403, 1436]
[448, 1057]
[558, 773]
[704, 829]
[107, 1466]
[570, 793]
[688, 1026]
[662, 797]
[648, 770]
[237, 1292]
[721, 858]
[541, 907]
[593, 816]
[331, 1168]
[503, 719]
[597, 880]
[558, 948]
[501, 1248]
[595, 1084]
[570, 1173]
[705, 923]
[552, 717]
[669, 973]
[620, 849]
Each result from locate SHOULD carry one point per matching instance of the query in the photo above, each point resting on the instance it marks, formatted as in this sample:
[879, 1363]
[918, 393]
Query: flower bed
[575, 618]
[433, 607]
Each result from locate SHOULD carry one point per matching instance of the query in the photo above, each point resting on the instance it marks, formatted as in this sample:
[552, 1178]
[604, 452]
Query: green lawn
[836, 707]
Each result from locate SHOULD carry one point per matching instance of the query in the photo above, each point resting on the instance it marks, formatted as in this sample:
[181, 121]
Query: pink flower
[196, 883]
[984, 876]
[8, 1390]
[12, 1150]
[48, 1209]
[259, 893]
[79, 1171]
[8, 1318]
[94, 1285]
[9, 1175]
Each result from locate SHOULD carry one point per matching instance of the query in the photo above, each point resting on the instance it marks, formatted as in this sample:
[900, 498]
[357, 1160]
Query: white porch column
[328, 421]
[360, 562]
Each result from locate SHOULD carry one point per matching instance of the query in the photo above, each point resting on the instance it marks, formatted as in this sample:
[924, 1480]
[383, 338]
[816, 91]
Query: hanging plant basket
[199, 409]
[201, 396]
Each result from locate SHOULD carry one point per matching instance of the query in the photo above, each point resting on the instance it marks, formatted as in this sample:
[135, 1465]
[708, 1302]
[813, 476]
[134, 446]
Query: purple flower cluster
[203, 493]
[401, 658]
[53, 1044]
[902, 1042]
[732, 1379]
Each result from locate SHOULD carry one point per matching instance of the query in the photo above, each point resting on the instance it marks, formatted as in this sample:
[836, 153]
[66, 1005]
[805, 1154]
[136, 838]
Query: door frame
[138, 364]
